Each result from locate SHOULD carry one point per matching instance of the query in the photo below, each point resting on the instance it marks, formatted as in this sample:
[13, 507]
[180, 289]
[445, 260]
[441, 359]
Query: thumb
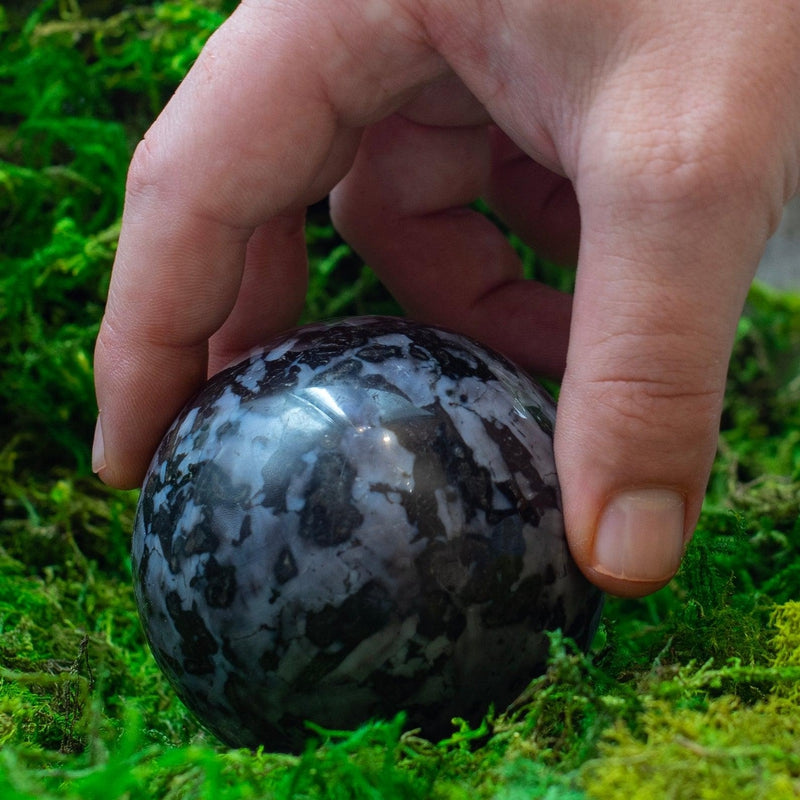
[664, 267]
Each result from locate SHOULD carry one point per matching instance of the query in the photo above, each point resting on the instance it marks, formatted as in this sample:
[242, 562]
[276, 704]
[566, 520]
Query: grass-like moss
[693, 692]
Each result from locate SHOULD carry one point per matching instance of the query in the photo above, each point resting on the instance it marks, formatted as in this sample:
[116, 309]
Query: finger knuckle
[147, 168]
[672, 407]
[642, 397]
[698, 160]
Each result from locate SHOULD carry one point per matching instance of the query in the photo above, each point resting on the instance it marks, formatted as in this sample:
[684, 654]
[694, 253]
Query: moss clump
[720, 747]
[75, 94]
[724, 750]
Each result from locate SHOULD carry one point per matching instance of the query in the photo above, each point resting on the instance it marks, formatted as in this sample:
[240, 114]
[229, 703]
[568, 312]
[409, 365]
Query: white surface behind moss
[780, 265]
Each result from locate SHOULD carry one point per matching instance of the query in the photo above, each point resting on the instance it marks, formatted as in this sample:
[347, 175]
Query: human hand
[675, 127]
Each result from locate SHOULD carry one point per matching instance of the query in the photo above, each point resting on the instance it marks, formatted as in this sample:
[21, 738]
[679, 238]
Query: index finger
[266, 122]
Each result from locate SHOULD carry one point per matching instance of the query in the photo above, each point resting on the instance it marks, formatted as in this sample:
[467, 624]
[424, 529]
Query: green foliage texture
[691, 693]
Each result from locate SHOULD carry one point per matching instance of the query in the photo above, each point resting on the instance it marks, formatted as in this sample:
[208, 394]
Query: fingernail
[98, 448]
[640, 535]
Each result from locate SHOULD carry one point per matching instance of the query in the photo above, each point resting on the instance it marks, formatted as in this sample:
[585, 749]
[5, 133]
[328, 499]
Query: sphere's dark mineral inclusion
[362, 518]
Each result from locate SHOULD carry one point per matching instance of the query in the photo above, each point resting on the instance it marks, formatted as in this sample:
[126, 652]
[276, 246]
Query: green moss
[724, 748]
[75, 94]
[724, 751]
[786, 648]
[692, 692]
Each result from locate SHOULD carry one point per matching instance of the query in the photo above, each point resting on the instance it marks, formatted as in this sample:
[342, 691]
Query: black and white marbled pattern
[362, 518]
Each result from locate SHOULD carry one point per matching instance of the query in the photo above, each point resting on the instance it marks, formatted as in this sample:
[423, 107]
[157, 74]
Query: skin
[674, 127]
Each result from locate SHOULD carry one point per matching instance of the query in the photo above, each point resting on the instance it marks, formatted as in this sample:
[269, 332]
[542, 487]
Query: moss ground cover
[692, 693]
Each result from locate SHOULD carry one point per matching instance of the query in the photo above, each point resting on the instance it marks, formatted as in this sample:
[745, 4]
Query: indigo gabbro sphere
[362, 518]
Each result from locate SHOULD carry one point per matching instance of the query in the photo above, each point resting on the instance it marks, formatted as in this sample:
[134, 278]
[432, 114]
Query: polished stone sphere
[361, 518]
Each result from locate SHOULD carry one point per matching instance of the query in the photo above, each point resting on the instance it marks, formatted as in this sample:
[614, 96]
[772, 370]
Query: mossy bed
[691, 693]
